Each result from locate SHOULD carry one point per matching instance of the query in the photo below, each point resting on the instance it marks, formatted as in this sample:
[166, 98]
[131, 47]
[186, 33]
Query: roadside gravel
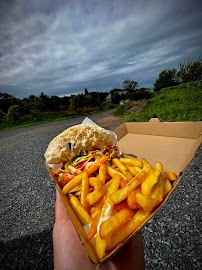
[27, 198]
[172, 240]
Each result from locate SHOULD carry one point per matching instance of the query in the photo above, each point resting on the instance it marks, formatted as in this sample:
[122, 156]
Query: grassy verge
[180, 103]
[41, 120]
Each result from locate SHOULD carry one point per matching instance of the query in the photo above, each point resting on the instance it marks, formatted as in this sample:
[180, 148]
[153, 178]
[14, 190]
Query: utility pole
[98, 96]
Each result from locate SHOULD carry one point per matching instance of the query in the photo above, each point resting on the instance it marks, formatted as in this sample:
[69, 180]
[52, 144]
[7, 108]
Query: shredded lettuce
[81, 159]
[112, 153]
[67, 164]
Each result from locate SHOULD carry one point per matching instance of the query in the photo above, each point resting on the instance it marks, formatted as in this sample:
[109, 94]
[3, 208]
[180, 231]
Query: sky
[62, 47]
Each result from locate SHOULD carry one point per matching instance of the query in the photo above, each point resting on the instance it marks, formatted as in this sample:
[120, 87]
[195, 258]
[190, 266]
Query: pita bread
[77, 140]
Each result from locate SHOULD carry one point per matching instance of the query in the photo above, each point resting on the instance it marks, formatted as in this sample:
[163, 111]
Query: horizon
[62, 48]
[70, 94]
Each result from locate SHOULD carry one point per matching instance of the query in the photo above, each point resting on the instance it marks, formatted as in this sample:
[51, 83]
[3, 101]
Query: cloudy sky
[62, 47]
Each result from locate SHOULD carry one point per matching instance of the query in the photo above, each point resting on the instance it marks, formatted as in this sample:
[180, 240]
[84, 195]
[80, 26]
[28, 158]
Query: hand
[69, 252]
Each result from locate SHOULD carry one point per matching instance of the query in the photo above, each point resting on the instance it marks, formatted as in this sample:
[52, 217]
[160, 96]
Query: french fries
[122, 168]
[115, 222]
[122, 194]
[123, 183]
[111, 171]
[115, 200]
[93, 228]
[80, 211]
[131, 199]
[77, 180]
[121, 235]
[157, 193]
[167, 187]
[148, 183]
[72, 184]
[102, 173]
[94, 196]
[84, 190]
[132, 162]
[95, 182]
[132, 170]
[171, 176]
[100, 246]
[114, 185]
[145, 202]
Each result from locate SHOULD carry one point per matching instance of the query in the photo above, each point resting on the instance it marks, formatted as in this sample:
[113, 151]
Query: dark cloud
[63, 47]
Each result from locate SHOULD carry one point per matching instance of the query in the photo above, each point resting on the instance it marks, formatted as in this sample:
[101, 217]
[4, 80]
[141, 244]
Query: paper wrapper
[156, 141]
[89, 121]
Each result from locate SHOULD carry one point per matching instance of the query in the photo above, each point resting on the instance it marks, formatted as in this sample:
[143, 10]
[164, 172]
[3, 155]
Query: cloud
[65, 47]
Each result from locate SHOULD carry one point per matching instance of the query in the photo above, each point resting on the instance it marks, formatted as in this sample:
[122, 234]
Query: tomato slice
[80, 165]
[67, 179]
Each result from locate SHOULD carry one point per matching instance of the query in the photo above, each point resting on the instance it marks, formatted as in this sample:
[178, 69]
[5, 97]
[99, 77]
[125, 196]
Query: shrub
[119, 110]
[18, 112]
[108, 105]
[127, 101]
[13, 113]
[2, 116]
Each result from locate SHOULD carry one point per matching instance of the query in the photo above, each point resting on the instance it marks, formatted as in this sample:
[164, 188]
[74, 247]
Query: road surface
[27, 197]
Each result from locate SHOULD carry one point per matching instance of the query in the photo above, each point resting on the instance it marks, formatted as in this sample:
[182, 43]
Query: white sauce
[102, 219]
[108, 213]
[86, 229]
[89, 164]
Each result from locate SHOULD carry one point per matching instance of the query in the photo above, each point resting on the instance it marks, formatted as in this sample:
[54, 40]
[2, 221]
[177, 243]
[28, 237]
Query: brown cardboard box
[171, 143]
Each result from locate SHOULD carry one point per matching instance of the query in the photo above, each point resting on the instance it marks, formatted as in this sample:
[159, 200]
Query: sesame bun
[77, 140]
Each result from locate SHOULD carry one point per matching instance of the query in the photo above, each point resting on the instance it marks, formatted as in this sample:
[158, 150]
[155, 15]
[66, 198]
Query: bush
[119, 110]
[108, 105]
[127, 101]
[18, 112]
[80, 111]
[13, 113]
[2, 116]
[190, 70]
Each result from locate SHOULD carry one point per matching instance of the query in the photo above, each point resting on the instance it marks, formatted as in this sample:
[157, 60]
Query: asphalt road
[27, 197]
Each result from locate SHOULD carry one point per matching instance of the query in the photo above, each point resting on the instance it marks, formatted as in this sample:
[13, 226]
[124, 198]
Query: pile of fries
[112, 201]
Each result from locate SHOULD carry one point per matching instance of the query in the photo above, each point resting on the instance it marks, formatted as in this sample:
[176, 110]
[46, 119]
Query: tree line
[12, 108]
[187, 71]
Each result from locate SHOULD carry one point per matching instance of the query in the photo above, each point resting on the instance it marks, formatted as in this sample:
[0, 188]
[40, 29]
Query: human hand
[69, 252]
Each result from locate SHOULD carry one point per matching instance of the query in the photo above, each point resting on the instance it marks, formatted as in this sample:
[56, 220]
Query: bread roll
[77, 140]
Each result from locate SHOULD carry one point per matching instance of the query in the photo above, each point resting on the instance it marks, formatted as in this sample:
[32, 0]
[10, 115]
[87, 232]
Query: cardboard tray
[174, 144]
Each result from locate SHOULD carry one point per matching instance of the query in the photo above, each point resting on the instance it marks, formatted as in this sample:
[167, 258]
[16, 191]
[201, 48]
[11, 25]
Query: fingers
[66, 242]
[67, 247]
[131, 256]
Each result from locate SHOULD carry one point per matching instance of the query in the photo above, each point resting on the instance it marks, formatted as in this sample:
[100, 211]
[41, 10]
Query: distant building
[109, 97]
[122, 93]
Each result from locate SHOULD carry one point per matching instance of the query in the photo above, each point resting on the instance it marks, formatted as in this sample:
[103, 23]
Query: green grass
[40, 120]
[172, 104]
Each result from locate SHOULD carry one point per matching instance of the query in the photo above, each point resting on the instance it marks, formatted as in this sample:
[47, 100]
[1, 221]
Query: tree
[116, 97]
[142, 93]
[14, 113]
[2, 116]
[88, 101]
[7, 100]
[43, 101]
[86, 91]
[190, 71]
[130, 85]
[76, 101]
[166, 78]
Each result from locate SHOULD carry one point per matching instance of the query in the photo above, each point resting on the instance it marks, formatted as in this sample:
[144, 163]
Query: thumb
[60, 211]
